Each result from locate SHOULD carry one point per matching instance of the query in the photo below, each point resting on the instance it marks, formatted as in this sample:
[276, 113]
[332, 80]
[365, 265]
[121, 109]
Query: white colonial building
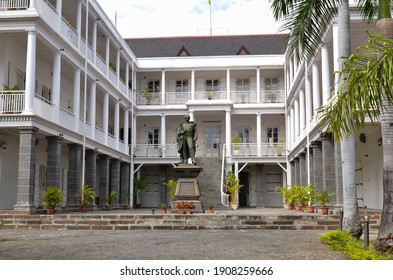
[81, 105]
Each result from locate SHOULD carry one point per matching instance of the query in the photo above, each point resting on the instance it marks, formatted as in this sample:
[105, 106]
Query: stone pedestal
[187, 188]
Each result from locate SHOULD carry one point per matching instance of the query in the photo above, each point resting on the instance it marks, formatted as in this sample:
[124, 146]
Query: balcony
[237, 97]
[12, 102]
[7, 5]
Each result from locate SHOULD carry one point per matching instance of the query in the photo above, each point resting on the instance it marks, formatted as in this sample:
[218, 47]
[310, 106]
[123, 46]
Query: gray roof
[209, 45]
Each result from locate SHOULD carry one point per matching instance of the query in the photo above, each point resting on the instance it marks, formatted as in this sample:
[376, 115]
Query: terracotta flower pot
[325, 210]
[50, 209]
[310, 209]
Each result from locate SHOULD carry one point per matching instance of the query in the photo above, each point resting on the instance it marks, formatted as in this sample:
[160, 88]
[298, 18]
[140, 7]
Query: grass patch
[342, 241]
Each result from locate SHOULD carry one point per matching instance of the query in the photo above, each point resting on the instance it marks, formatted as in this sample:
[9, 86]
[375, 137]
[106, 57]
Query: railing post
[366, 233]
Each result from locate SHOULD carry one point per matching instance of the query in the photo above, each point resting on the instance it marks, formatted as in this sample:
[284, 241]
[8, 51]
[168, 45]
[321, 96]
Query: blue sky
[161, 18]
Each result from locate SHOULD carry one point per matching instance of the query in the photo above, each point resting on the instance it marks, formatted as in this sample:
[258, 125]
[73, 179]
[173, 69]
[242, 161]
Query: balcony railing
[237, 97]
[14, 4]
[12, 103]
[237, 150]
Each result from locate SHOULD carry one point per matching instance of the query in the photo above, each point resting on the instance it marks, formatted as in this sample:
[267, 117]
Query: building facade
[81, 105]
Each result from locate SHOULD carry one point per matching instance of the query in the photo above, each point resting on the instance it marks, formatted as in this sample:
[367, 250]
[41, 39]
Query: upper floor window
[242, 84]
[152, 136]
[154, 86]
[182, 86]
[244, 134]
[272, 135]
[271, 84]
[212, 85]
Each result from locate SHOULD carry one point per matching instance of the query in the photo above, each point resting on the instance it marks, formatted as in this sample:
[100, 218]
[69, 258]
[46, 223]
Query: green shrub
[342, 241]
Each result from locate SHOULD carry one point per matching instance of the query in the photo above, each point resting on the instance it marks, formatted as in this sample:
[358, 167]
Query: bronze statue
[186, 140]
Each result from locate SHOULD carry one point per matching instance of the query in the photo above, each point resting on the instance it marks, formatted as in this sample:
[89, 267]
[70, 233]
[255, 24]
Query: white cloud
[159, 18]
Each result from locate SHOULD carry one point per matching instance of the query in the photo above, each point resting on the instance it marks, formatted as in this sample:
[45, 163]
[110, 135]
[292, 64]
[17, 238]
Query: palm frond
[366, 81]
[368, 9]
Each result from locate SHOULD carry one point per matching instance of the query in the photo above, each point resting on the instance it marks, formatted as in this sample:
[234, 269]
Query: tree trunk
[351, 219]
[385, 234]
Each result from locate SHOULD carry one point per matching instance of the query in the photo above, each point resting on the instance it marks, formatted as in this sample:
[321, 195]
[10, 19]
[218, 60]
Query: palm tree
[307, 22]
[366, 92]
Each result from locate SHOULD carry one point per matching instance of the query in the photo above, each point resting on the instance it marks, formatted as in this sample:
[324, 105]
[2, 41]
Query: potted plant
[236, 141]
[171, 185]
[163, 208]
[211, 208]
[181, 206]
[309, 193]
[298, 195]
[272, 96]
[323, 198]
[109, 197]
[243, 97]
[125, 204]
[86, 194]
[210, 94]
[140, 186]
[148, 94]
[279, 148]
[52, 197]
[232, 185]
[288, 196]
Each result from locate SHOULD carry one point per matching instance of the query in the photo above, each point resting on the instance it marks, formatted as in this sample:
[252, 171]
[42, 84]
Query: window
[212, 85]
[154, 86]
[212, 137]
[182, 86]
[244, 134]
[242, 84]
[273, 180]
[271, 84]
[272, 135]
[152, 136]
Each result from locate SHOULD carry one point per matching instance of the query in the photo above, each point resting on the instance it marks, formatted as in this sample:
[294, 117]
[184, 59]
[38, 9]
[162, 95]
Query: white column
[259, 134]
[125, 129]
[127, 77]
[94, 40]
[93, 101]
[192, 84]
[32, 4]
[309, 109]
[107, 53]
[293, 125]
[228, 127]
[316, 94]
[297, 131]
[289, 130]
[302, 110]
[56, 73]
[336, 57]
[30, 72]
[258, 85]
[79, 22]
[118, 56]
[163, 133]
[163, 87]
[105, 110]
[191, 114]
[59, 7]
[117, 121]
[290, 70]
[325, 75]
[228, 84]
[76, 98]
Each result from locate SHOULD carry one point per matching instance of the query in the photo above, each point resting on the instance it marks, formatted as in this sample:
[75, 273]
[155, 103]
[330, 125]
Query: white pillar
[107, 53]
[163, 87]
[302, 110]
[259, 134]
[288, 130]
[228, 127]
[79, 22]
[127, 77]
[125, 129]
[290, 70]
[325, 75]
[228, 84]
[117, 121]
[93, 101]
[293, 125]
[30, 72]
[258, 85]
[94, 40]
[59, 8]
[336, 57]
[316, 94]
[105, 110]
[118, 56]
[33, 4]
[163, 133]
[76, 98]
[56, 73]
[309, 111]
[297, 131]
[192, 84]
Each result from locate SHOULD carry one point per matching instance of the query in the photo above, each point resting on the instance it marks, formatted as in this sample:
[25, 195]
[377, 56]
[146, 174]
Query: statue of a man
[186, 139]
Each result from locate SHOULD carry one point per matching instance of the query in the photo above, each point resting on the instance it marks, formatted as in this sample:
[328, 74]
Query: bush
[342, 241]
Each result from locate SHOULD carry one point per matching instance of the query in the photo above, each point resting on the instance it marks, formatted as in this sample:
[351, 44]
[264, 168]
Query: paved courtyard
[164, 245]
